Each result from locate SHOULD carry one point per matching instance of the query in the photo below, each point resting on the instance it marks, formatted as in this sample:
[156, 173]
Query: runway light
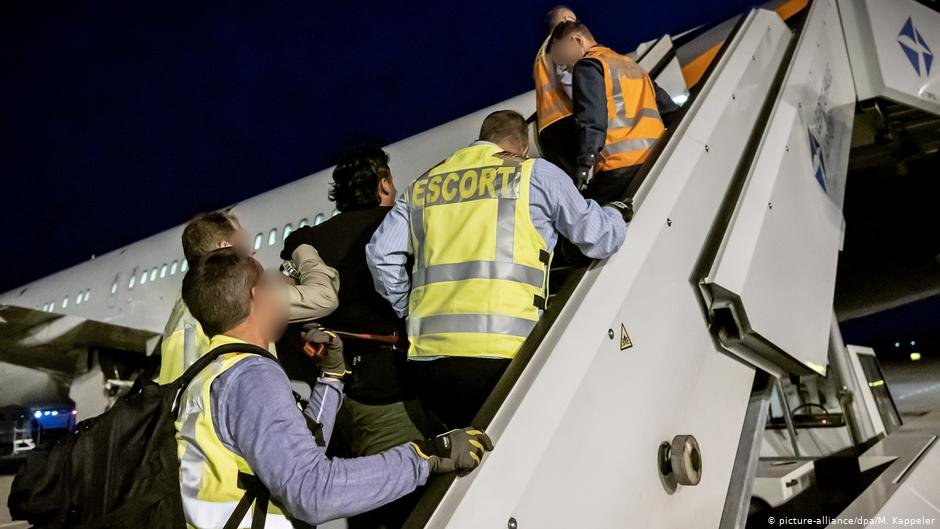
[897, 344]
[38, 414]
[915, 357]
[913, 343]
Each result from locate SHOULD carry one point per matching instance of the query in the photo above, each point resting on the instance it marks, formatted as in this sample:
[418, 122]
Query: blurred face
[269, 305]
[569, 50]
[239, 240]
[560, 15]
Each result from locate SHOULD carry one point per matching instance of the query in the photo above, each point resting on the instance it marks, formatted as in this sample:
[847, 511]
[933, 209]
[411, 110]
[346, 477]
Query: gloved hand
[454, 451]
[581, 178]
[327, 348]
[625, 207]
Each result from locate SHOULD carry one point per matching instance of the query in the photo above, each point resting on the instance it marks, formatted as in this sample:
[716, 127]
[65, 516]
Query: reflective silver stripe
[204, 514]
[482, 323]
[629, 72]
[417, 229]
[479, 270]
[191, 462]
[416, 216]
[621, 121]
[505, 229]
[628, 145]
[506, 217]
[192, 459]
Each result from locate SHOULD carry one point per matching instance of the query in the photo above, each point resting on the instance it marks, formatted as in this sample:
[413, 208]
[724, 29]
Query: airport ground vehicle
[22, 428]
[807, 428]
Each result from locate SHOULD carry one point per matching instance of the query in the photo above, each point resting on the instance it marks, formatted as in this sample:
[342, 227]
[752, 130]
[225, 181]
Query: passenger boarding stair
[630, 404]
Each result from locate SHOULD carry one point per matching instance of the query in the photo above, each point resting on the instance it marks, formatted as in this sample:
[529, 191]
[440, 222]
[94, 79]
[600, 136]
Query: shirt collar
[222, 339]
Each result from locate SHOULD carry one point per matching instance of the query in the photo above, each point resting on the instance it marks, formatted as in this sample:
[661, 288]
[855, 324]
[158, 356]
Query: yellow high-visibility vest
[479, 275]
[633, 121]
[209, 470]
[551, 101]
[183, 343]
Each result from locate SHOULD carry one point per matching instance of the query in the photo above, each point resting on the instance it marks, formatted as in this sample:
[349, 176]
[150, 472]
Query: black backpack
[121, 469]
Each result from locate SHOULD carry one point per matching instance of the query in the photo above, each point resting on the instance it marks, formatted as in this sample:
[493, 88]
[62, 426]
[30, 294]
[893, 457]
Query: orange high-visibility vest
[633, 121]
[551, 101]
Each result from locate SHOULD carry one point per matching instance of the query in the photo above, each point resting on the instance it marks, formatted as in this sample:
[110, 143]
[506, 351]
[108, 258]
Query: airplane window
[173, 268]
[184, 266]
[302, 223]
[287, 230]
[65, 302]
[272, 237]
[87, 294]
[143, 277]
[163, 271]
[133, 279]
[335, 213]
[258, 239]
[318, 219]
[153, 274]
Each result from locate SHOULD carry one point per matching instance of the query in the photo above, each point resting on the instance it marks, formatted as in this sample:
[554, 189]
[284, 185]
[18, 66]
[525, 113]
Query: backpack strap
[203, 362]
[255, 492]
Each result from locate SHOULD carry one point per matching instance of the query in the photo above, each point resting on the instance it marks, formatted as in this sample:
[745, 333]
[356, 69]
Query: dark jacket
[589, 97]
[377, 370]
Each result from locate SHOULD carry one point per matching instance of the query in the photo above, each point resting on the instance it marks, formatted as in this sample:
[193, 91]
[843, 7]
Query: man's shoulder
[255, 364]
[588, 63]
[545, 172]
[251, 374]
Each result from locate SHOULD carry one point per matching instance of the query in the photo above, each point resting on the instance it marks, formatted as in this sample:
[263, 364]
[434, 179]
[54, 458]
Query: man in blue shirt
[239, 415]
[454, 384]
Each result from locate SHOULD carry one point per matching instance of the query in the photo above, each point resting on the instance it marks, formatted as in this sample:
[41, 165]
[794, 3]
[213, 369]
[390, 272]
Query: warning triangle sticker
[625, 342]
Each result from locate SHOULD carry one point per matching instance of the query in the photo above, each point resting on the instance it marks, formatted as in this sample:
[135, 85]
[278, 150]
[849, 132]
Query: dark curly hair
[356, 178]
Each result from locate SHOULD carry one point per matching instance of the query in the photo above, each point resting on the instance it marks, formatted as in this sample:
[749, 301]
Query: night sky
[120, 120]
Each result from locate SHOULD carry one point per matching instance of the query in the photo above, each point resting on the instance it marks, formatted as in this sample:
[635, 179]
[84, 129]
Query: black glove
[625, 207]
[327, 348]
[581, 178]
[454, 451]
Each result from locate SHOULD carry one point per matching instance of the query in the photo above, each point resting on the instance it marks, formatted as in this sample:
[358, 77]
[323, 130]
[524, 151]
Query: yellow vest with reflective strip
[480, 265]
[209, 470]
[183, 343]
